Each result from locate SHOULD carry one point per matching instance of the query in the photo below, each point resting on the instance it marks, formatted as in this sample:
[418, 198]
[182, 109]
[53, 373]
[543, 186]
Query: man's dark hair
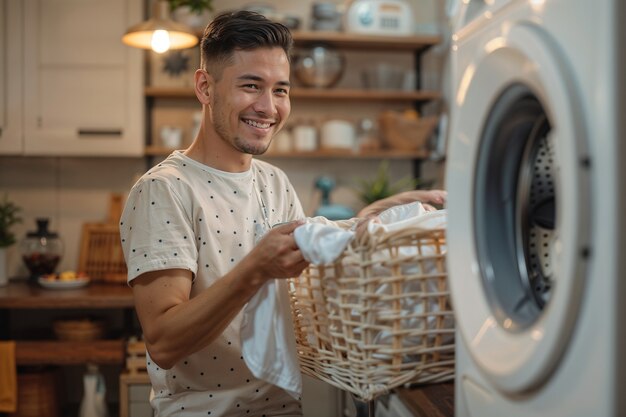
[240, 30]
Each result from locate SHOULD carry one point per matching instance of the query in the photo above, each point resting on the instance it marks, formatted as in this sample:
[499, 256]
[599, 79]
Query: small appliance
[379, 17]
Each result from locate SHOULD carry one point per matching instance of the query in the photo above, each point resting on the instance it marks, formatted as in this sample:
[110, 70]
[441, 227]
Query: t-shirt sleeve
[156, 231]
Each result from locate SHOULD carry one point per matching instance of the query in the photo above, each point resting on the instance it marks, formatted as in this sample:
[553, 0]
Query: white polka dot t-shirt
[183, 214]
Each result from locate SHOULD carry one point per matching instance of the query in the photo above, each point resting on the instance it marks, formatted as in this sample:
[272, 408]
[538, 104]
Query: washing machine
[535, 179]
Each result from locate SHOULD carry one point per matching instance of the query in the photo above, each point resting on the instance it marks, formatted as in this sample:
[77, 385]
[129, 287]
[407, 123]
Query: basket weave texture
[407, 134]
[378, 317]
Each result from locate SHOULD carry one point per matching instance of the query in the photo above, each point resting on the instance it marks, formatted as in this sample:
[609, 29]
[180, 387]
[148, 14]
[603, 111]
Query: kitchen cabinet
[11, 49]
[159, 97]
[73, 87]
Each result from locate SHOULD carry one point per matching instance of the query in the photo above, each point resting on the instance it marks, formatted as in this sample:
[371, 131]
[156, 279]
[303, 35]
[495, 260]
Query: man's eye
[252, 86]
[282, 91]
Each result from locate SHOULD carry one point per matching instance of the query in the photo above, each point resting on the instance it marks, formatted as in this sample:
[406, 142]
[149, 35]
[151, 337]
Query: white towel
[268, 342]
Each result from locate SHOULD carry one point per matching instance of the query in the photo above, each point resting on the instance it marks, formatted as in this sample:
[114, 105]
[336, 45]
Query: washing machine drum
[515, 179]
[518, 206]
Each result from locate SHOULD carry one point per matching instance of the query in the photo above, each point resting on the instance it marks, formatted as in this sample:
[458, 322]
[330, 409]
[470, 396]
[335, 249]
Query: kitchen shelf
[24, 295]
[354, 41]
[321, 154]
[46, 352]
[414, 43]
[315, 93]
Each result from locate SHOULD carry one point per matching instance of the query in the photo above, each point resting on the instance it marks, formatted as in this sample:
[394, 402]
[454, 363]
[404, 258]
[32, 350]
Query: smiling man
[190, 226]
[196, 229]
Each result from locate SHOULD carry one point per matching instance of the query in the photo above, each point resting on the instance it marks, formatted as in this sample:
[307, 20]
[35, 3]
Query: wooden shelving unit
[366, 42]
[322, 154]
[47, 352]
[29, 296]
[315, 93]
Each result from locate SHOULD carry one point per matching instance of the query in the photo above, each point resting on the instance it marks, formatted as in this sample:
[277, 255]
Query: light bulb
[160, 41]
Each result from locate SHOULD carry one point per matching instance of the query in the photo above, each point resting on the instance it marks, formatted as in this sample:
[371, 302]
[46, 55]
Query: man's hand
[277, 255]
[426, 197]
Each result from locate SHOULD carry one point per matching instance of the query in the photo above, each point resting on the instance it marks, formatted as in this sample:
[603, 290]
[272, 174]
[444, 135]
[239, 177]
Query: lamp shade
[160, 33]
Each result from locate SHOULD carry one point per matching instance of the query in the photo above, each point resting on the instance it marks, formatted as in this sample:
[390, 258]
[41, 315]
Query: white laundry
[267, 339]
[321, 244]
[268, 343]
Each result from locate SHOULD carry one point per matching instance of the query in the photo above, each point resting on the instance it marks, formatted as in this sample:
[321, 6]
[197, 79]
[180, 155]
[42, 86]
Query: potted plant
[371, 190]
[195, 13]
[8, 218]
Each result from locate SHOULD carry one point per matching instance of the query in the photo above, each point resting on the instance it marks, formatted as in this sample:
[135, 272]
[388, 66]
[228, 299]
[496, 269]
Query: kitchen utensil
[41, 250]
[379, 17]
[101, 256]
[319, 66]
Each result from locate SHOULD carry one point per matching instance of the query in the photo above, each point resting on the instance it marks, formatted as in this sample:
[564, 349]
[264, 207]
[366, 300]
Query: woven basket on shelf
[379, 317]
[399, 132]
[81, 329]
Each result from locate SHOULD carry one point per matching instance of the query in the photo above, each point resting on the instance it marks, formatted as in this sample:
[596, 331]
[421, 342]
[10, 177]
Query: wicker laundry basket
[379, 317]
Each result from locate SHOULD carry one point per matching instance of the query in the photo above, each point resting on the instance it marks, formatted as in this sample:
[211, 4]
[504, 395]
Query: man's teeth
[257, 124]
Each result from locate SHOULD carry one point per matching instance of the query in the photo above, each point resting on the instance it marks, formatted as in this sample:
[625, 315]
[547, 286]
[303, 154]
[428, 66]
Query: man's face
[251, 103]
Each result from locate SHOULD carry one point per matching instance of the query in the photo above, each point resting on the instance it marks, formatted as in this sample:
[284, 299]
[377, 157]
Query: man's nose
[265, 103]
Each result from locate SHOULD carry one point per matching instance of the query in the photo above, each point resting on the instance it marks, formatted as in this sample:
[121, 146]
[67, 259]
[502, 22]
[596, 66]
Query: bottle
[93, 403]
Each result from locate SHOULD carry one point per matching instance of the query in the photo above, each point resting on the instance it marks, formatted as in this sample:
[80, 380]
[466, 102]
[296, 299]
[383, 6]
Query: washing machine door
[518, 234]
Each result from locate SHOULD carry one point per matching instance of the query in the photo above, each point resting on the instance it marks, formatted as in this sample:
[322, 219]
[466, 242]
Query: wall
[72, 191]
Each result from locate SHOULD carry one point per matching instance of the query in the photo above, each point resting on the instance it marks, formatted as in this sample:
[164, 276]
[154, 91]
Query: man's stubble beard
[236, 142]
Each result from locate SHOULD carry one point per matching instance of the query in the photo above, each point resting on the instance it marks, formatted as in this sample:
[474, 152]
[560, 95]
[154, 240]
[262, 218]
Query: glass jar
[41, 250]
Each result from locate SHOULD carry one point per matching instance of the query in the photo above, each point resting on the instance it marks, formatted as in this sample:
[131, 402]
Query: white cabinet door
[83, 88]
[11, 47]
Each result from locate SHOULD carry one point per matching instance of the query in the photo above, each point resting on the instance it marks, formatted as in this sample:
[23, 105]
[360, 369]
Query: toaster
[379, 17]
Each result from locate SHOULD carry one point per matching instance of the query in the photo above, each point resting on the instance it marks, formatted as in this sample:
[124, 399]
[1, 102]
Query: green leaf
[371, 190]
[8, 218]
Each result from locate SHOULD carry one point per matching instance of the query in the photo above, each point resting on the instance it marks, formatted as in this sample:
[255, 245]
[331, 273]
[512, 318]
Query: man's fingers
[289, 227]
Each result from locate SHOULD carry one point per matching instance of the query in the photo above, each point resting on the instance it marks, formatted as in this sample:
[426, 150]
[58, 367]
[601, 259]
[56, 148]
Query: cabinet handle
[100, 132]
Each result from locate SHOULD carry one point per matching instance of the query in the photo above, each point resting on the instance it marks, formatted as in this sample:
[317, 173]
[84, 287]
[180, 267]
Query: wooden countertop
[433, 400]
[26, 295]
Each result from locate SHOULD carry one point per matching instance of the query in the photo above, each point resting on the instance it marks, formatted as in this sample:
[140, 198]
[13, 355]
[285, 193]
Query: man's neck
[218, 154]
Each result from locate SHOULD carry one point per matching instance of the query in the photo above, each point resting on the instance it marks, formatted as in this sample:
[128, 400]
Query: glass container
[41, 250]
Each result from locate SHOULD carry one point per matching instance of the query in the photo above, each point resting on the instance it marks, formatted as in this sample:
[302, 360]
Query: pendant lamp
[160, 33]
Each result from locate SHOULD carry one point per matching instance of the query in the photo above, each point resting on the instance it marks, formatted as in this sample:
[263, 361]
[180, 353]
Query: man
[190, 225]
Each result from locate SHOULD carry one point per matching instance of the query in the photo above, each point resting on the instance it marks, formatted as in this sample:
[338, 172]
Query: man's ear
[203, 86]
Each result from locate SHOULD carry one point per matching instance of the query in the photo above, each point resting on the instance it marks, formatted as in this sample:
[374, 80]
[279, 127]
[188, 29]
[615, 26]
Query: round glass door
[516, 192]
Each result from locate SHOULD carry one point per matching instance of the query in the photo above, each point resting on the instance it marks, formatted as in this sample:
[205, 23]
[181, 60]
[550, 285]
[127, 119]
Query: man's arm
[423, 196]
[175, 326]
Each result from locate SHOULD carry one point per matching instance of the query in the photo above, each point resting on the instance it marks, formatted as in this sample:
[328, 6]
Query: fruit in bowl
[65, 276]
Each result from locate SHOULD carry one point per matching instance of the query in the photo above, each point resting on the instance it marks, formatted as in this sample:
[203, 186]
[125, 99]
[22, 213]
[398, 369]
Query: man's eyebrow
[252, 77]
[249, 77]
